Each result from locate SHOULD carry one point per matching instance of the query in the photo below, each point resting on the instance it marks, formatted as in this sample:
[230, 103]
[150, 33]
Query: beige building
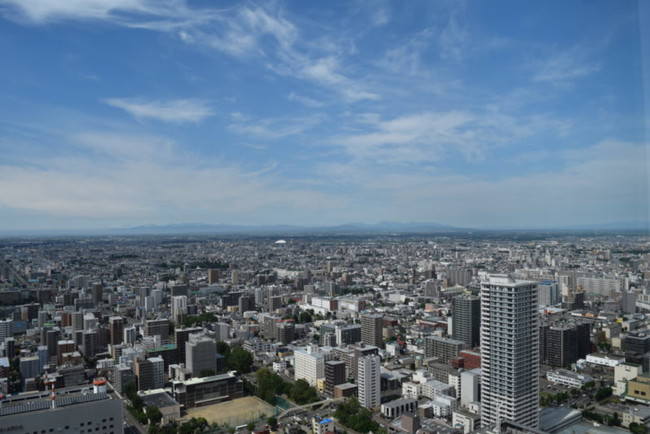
[624, 373]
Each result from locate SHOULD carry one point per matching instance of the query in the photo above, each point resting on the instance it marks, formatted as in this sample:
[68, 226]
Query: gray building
[74, 410]
[372, 326]
[466, 319]
[444, 349]
[201, 355]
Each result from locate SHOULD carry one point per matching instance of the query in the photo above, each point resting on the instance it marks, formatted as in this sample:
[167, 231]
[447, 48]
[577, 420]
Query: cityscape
[341, 217]
[453, 332]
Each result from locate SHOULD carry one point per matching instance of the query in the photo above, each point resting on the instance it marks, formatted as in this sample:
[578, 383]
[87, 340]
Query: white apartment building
[369, 381]
[470, 386]
[509, 351]
[309, 364]
[410, 390]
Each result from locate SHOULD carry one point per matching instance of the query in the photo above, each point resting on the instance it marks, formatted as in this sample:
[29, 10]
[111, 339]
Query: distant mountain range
[344, 229]
[350, 228]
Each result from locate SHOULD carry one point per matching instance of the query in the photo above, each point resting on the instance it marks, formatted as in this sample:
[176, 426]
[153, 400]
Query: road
[134, 426]
[292, 410]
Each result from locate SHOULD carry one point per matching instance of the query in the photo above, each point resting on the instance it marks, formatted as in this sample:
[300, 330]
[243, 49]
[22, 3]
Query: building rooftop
[37, 401]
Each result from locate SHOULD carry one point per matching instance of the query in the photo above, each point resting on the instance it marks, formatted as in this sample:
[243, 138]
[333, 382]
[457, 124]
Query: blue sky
[486, 114]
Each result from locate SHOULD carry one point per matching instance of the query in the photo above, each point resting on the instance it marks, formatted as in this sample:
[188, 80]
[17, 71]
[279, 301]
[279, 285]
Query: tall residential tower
[509, 351]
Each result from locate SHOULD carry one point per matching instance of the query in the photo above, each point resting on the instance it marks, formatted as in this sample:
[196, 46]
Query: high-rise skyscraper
[466, 319]
[369, 381]
[116, 327]
[179, 308]
[372, 329]
[509, 351]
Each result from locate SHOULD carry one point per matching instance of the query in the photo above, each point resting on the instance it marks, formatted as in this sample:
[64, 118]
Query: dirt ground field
[236, 412]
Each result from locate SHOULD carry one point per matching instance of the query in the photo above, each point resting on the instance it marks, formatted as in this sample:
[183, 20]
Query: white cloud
[430, 136]
[305, 100]
[606, 182]
[271, 128]
[145, 187]
[152, 14]
[125, 146]
[380, 16]
[453, 39]
[563, 66]
[177, 110]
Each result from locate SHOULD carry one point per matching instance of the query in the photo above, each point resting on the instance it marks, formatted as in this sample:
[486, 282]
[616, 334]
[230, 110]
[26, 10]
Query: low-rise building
[568, 378]
[399, 407]
[207, 390]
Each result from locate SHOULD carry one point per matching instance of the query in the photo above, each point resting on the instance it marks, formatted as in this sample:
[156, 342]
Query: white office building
[509, 351]
[369, 381]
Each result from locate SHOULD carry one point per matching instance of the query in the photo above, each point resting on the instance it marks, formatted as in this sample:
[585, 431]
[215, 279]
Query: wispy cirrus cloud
[271, 128]
[152, 14]
[175, 110]
[563, 66]
[431, 136]
[247, 32]
[305, 100]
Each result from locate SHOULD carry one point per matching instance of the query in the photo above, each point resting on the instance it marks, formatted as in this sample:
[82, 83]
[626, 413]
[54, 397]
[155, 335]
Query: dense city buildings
[388, 322]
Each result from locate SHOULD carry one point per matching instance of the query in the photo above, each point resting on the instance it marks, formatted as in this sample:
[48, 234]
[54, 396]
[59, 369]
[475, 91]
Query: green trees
[194, 425]
[588, 385]
[613, 420]
[603, 392]
[548, 399]
[192, 320]
[302, 393]
[351, 414]
[273, 423]
[223, 348]
[238, 359]
[270, 385]
[136, 408]
[637, 428]
[153, 414]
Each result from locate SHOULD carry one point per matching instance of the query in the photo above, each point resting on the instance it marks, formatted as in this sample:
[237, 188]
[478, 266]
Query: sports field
[236, 412]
